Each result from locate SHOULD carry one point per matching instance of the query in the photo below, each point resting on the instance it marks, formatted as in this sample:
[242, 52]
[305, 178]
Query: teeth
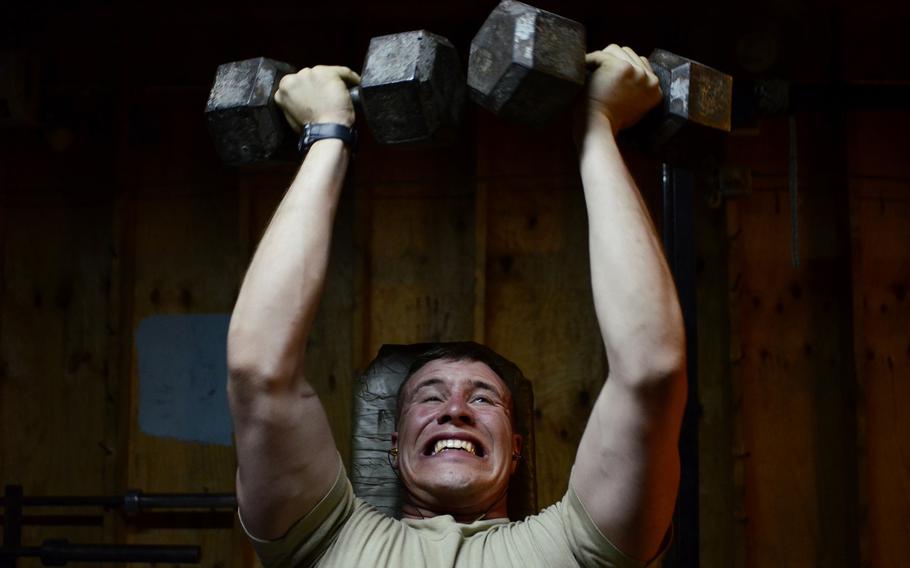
[454, 444]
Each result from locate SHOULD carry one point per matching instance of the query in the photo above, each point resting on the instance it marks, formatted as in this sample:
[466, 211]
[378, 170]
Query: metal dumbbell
[527, 64]
[412, 87]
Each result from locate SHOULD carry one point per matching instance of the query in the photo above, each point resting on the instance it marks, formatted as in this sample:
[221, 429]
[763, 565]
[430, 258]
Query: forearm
[280, 293]
[634, 295]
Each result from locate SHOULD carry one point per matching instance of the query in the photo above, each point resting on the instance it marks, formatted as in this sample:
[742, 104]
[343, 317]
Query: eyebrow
[483, 385]
[427, 383]
[476, 384]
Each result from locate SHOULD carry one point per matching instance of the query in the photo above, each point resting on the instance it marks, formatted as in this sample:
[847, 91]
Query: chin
[453, 484]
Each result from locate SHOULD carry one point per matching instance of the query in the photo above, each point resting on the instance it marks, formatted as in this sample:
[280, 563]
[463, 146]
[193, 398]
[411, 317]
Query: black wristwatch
[314, 131]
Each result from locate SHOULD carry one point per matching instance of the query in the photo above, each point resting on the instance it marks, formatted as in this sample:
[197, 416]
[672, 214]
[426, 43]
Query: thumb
[279, 99]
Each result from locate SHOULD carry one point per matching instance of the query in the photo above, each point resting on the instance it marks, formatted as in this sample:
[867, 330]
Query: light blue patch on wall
[183, 377]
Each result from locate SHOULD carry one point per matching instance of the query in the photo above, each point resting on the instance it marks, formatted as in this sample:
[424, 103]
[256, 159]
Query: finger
[346, 74]
[605, 56]
[647, 64]
[292, 121]
[630, 57]
[631, 52]
[617, 51]
[595, 58]
[634, 58]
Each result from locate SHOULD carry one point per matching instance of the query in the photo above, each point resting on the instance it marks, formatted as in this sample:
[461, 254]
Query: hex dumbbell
[527, 64]
[411, 88]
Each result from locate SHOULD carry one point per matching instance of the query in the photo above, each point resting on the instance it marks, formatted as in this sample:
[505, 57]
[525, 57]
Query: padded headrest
[375, 398]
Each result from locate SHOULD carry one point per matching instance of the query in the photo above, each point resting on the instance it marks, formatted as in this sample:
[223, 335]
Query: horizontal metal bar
[60, 520]
[135, 501]
[59, 552]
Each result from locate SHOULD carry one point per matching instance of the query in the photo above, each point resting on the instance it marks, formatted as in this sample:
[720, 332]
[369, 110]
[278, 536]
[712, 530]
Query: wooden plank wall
[793, 368]
[821, 456]
[538, 304]
[180, 246]
[879, 180]
[58, 403]
[176, 234]
[803, 372]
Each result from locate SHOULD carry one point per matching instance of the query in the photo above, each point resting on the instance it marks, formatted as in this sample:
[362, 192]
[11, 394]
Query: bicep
[287, 458]
[626, 472]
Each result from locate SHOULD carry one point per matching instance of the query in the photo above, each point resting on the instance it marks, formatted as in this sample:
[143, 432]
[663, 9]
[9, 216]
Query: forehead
[455, 373]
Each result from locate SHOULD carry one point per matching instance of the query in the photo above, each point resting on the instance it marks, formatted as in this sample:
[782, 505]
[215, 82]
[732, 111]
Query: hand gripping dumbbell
[528, 64]
[411, 88]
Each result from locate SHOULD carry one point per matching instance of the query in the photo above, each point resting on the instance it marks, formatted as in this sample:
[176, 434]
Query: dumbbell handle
[355, 98]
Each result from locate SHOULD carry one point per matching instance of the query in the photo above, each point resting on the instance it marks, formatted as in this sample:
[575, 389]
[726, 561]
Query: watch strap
[315, 131]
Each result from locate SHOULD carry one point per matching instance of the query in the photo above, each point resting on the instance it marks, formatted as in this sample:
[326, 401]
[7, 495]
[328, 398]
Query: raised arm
[286, 454]
[627, 468]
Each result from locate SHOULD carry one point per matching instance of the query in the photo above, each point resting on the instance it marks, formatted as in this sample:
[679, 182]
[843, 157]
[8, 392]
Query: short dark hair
[464, 351]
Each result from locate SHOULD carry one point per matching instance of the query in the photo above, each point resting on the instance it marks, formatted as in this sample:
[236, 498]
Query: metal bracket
[731, 182]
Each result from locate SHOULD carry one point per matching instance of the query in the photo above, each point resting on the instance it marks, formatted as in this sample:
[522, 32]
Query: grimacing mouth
[453, 442]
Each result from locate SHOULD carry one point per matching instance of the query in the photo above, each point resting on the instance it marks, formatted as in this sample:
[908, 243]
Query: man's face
[454, 439]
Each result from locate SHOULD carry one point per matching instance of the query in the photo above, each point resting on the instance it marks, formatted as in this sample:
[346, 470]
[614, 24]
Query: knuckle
[656, 93]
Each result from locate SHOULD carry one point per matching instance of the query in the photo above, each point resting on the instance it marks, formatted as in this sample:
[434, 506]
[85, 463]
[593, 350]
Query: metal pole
[12, 522]
[678, 187]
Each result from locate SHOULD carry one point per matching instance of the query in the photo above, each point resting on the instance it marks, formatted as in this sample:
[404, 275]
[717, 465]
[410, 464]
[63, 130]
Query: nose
[458, 412]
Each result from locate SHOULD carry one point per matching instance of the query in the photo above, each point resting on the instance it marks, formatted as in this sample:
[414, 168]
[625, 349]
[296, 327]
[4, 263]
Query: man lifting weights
[455, 449]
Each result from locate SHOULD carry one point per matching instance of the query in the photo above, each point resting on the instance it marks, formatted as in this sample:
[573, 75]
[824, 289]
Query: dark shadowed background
[123, 241]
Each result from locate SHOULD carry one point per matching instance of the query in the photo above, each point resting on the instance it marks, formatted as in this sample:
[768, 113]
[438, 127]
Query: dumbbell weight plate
[243, 119]
[526, 64]
[412, 87]
[693, 94]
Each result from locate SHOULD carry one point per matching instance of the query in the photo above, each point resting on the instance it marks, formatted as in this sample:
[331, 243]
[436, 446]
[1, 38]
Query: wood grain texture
[121, 142]
[58, 423]
[176, 223]
[719, 531]
[796, 361]
[880, 208]
[738, 445]
[185, 251]
[540, 313]
[419, 248]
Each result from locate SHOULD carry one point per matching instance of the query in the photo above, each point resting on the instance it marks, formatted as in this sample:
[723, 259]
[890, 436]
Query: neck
[497, 510]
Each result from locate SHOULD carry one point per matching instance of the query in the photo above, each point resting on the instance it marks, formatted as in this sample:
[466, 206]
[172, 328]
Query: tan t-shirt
[345, 531]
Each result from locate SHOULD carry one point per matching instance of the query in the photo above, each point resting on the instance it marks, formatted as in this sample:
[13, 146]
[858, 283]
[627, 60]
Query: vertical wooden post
[480, 261]
[718, 526]
[737, 450]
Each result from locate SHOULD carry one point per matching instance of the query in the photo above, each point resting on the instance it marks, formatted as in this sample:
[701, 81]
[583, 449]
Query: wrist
[599, 120]
[593, 124]
[314, 132]
[342, 118]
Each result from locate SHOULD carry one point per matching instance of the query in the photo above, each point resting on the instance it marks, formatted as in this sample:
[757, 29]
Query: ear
[393, 452]
[516, 450]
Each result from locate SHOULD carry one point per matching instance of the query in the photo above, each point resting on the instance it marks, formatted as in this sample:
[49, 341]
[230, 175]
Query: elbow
[251, 370]
[662, 380]
[659, 372]
[253, 374]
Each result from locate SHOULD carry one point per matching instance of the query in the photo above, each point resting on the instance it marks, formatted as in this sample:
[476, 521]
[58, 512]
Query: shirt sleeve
[308, 538]
[589, 546]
